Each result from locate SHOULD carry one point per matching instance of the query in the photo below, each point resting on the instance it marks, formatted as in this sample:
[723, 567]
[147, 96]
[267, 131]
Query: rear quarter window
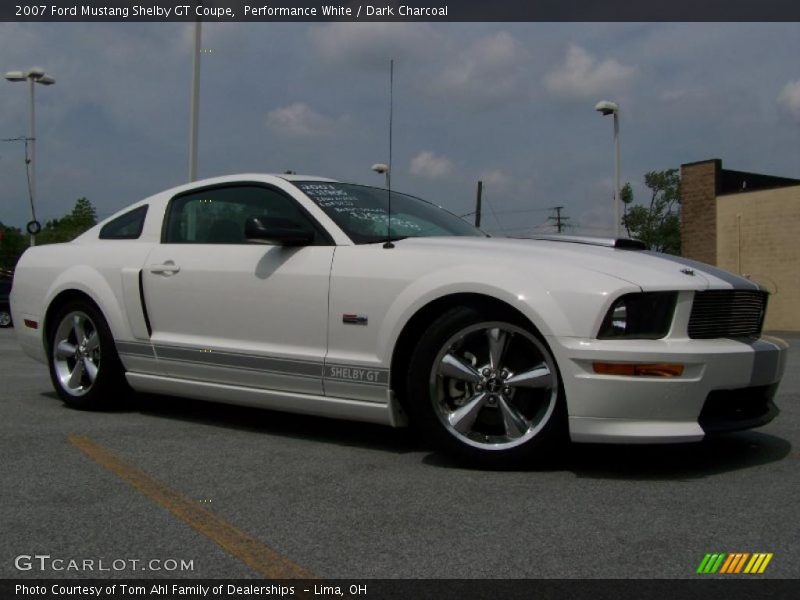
[125, 227]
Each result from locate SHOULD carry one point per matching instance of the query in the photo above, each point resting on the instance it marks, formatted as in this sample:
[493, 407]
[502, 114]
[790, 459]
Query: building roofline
[702, 162]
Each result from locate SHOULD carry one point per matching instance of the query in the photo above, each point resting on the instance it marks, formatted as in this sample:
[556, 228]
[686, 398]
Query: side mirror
[277, 231]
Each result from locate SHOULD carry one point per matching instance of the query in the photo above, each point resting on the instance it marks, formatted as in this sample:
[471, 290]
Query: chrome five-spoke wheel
[76, 353]
[485, 389]
[84, 365]
[493, 385]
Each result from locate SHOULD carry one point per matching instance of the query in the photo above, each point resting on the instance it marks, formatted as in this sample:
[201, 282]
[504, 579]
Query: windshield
[362, 212]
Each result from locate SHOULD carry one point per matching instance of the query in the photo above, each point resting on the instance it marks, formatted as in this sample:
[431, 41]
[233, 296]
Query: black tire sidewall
[110, 387]
[533, 452]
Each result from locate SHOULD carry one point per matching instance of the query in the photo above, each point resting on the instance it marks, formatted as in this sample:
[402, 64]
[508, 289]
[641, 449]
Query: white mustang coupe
[308, 295]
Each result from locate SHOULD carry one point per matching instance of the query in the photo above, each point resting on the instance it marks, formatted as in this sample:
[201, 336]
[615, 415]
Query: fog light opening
[638, 369]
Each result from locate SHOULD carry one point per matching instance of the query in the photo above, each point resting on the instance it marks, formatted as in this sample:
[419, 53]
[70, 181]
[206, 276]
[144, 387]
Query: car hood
[643, 268]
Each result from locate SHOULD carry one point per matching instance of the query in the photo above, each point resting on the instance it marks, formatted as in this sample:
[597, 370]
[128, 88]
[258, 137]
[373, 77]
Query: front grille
[727, 313]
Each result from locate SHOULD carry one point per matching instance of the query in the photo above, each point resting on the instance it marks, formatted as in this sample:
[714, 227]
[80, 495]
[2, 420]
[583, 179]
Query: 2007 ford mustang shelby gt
[282, 291]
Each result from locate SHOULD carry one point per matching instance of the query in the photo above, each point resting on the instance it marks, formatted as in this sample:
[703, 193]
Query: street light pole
[606, 108]
[617, 199]
[32, 158]
[195, 103]
[33, 76]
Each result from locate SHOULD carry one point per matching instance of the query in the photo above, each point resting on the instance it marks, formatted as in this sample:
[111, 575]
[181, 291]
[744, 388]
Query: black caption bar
[409, 10]
[374, 589]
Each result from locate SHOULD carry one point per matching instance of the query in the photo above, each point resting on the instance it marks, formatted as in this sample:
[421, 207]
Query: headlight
[643, 316]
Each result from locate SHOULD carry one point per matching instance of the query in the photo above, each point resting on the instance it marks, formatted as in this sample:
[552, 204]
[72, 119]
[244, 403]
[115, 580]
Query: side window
[125, 227]
[218, 215]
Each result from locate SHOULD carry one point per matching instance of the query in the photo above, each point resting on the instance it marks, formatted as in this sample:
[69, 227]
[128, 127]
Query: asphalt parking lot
[240, 491]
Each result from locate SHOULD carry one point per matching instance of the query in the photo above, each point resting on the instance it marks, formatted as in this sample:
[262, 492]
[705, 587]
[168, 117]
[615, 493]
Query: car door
[228, 311]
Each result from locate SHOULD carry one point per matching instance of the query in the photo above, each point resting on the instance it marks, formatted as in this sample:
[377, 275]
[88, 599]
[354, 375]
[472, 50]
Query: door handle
[167, 268]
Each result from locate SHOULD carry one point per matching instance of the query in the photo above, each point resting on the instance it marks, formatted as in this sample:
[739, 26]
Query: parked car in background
[5, 307]
[308, 295]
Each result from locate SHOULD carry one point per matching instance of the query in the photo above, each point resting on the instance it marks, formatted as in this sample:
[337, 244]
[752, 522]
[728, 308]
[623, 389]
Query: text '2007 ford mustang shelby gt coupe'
[308, 295]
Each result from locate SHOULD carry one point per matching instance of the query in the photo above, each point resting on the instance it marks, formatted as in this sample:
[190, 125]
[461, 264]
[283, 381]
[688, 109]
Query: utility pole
[478, 205]
[561, 222]
[34, 75]
[194, 106]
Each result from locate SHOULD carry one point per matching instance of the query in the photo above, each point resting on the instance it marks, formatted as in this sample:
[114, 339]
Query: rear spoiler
[620, 243]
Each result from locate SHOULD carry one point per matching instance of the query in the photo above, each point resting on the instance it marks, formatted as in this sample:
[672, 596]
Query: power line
[522, 210]
[28, 161]
[494, 214]
[509, 212]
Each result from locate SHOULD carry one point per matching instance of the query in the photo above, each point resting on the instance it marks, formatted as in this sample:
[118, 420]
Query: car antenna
[389, 243]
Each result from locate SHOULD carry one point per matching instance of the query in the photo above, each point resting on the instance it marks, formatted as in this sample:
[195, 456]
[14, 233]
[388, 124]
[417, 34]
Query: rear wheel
[486, 390]
[5, 318]
[84, 366]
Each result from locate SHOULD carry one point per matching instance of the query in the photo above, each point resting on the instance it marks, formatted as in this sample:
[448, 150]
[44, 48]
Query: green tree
[657, 224]
[12, 245]
[82, 217]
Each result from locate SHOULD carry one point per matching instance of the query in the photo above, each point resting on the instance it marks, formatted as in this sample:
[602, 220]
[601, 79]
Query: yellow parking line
[254, 554]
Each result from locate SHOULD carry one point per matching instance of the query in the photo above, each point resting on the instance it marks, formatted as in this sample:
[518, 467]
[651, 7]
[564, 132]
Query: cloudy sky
[511, 104]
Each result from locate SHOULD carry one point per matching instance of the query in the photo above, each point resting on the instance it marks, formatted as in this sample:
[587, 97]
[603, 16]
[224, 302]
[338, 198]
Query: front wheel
[485, 390]
[84, 366]
[5, 318]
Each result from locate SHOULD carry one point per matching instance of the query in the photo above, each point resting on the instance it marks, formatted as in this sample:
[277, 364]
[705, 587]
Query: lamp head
[606, 107]
[15, 76]
[380, 168]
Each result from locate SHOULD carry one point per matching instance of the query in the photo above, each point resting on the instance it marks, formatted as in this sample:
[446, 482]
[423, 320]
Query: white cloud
[300, 120]
[427, 164]
[488, 73]
[789, 98]
[582, 75]
[464, 73]
[495, 178]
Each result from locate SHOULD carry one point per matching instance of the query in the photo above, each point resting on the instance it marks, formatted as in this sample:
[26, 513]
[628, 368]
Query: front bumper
[726, 385]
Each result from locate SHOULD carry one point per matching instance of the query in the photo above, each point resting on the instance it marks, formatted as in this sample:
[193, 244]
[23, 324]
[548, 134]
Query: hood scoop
[621, 243]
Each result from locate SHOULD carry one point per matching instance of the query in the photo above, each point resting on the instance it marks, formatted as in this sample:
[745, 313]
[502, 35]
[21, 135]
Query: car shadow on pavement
[715, 455]
[262, 420]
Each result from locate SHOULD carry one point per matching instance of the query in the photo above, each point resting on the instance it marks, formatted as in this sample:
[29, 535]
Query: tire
[5, 318]
[84, 365]
[486, 391]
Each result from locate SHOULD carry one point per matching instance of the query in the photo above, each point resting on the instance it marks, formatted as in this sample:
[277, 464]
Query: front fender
[552, 307]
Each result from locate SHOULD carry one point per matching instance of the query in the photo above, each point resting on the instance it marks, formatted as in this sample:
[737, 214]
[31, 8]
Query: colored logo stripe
[711, 563]
[758, 563]
[736, 562]
[733, 563]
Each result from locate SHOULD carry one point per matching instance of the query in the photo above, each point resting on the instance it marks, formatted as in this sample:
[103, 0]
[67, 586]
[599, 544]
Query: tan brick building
[747, 223]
